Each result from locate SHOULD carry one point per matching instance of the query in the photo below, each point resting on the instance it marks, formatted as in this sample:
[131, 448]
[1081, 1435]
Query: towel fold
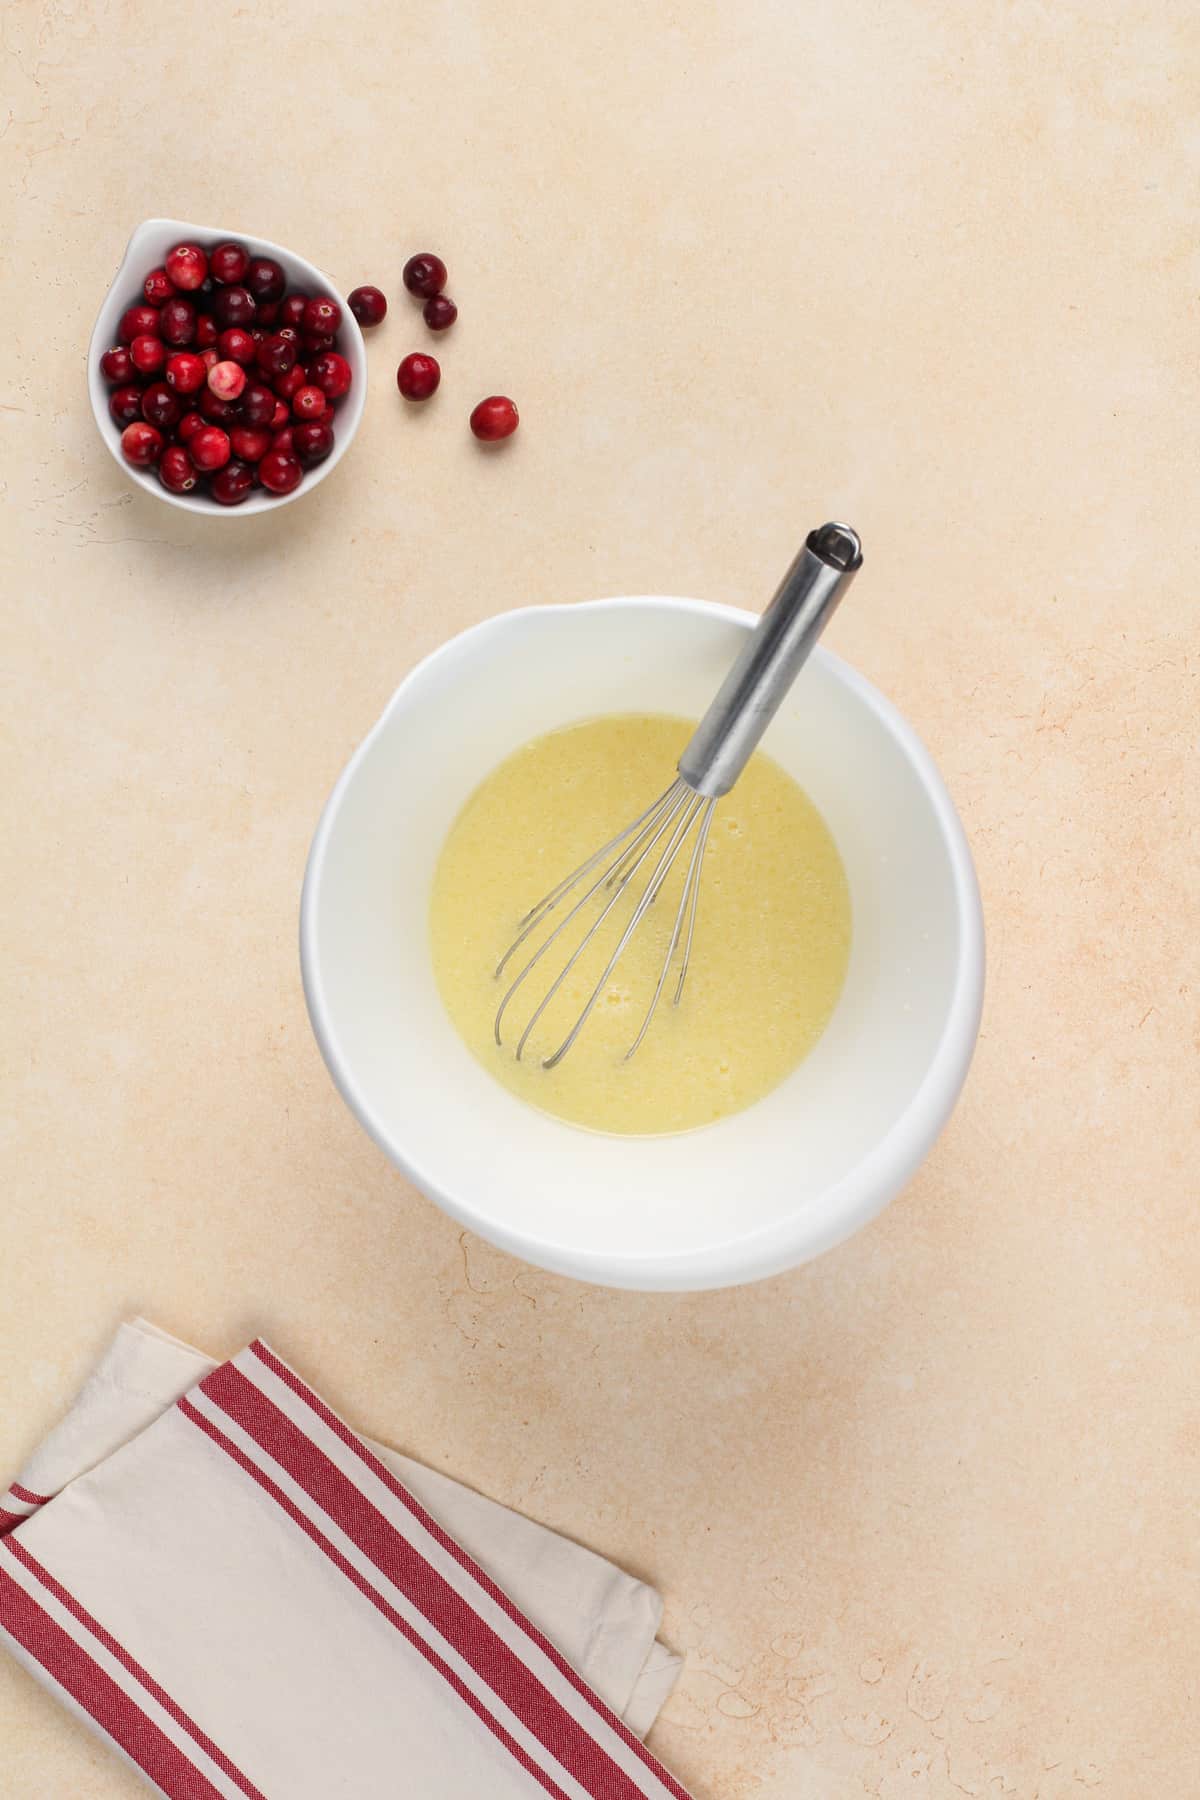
[247, 1598]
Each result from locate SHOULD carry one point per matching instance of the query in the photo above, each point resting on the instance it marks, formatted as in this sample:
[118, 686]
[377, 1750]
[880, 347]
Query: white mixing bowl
[755, 1193]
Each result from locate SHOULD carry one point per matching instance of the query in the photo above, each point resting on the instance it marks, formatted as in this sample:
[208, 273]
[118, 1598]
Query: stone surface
[923, 1512]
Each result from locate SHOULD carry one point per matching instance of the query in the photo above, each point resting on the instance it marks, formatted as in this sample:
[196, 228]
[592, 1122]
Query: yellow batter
[768, 961]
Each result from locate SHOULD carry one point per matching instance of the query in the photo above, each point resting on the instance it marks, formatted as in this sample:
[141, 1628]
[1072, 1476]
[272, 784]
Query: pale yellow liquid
[769, 957]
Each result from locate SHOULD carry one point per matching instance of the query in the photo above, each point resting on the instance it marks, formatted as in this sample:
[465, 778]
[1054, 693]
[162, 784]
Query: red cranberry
[312, 441]
[160, 407]
[280, 416]
[291, 309]
[209, 447]
[439, 313]
[418, 376]
[322, 316]
[158, 287]
[250, 442]
[176, 471]
[289, 384]
[229, 262]
[283, 440]
[494, 418]
[141, 445]
[308, 402]
[227, 379]
[216, 410]
[233, 484]
[186, 265]
[258, 403]
[125, 404]
[206, 331]
[290, 335]
[139, 321]
[179, 323]
[188, 426]
[117, 364]
[148, 354]
[233, 306]
[425, 274]
[265, 278]
[268, 313]
[210, 359]
[368, 304]
[185, 372]
[315, 342]
[276, 354]
[280, 471]
[332, 374]
[237, 345]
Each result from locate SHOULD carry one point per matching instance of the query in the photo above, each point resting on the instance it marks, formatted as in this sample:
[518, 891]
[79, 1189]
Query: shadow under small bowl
[145, 251]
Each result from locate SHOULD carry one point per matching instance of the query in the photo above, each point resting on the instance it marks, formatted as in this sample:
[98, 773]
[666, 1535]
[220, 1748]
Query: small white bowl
[757, 1192]
[145, 251]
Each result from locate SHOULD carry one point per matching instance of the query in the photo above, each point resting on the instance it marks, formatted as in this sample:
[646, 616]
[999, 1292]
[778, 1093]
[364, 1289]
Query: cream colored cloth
[211, 1567]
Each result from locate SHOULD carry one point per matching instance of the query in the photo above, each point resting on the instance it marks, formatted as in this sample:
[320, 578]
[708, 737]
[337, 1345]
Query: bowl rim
[867, 1187]
[98, 390]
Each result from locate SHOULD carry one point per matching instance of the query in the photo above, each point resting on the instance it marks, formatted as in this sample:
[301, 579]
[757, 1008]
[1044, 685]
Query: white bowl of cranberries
[226, 373]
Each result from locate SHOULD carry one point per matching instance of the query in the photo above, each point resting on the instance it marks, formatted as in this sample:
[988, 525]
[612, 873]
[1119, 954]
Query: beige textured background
[924, 1513]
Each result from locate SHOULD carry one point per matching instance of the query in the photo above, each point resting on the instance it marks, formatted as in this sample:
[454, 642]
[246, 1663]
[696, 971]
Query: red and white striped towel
[249, 1599]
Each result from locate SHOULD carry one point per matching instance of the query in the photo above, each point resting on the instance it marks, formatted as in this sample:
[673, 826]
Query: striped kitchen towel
[207, 1565]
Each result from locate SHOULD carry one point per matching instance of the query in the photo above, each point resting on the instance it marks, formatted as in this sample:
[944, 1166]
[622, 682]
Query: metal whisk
[717, 752]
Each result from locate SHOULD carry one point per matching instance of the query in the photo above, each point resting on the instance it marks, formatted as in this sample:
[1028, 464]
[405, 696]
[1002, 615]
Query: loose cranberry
[206, 331]
[258, 403]
[227, 379]
[250, 442]
[315, 342]
[141, 445]
[148, 354]
[368, 304]
[158, 287]
[209, 447]
[186, 265]
[139, 321]
[233, 306]
[284, 440]
[160, 407]
[280, 416]
[308, 402]
[265, 278]
[418, 376]
[185, 372]
[188, 426]
[229, 262]
[312, 441]
[322, 316]
[289, 384]
[439, 313]
[494, 418]
[276, 354]
[117, 364]
[268, 312]
[332, 374]
[291, 309]
[237, 345]
[176, 471]
[425, 274]
[125, 404]
[218, 411]
[233, 484]
[280, 471]
[179, 323]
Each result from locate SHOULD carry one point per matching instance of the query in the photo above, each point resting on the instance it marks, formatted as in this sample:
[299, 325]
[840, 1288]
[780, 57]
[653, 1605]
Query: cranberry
[188, 426]
[148, 354]
[206, 331]
[315, 342]
[141, 445]
[425, 274]
[227, 379]
[209, 447]
[265, 278]
[280, 416]
[291, 309]
[176, 471]
[210, 359]
[280, 471]
[179, 322]
[276, 354]
[139, 321]
[250, 442]
[312, 441]
[494, 418]
[229, 262]
[232, 485]
[418, 376]
[283, 440]
[125, 404]
[160, 407]
[332, 374]
[322, 316]
[117, 364]
[268, 312]
[258, 404]
[368, 304]
[233, 306]
[185, 372]
[158, 287]
[186, 265]
[291, 383]
[290, 335]
[218, 411]
[237, 345]
[439, 313]
[308, 402]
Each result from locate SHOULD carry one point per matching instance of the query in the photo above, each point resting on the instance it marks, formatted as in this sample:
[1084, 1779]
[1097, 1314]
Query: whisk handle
[752, 692]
